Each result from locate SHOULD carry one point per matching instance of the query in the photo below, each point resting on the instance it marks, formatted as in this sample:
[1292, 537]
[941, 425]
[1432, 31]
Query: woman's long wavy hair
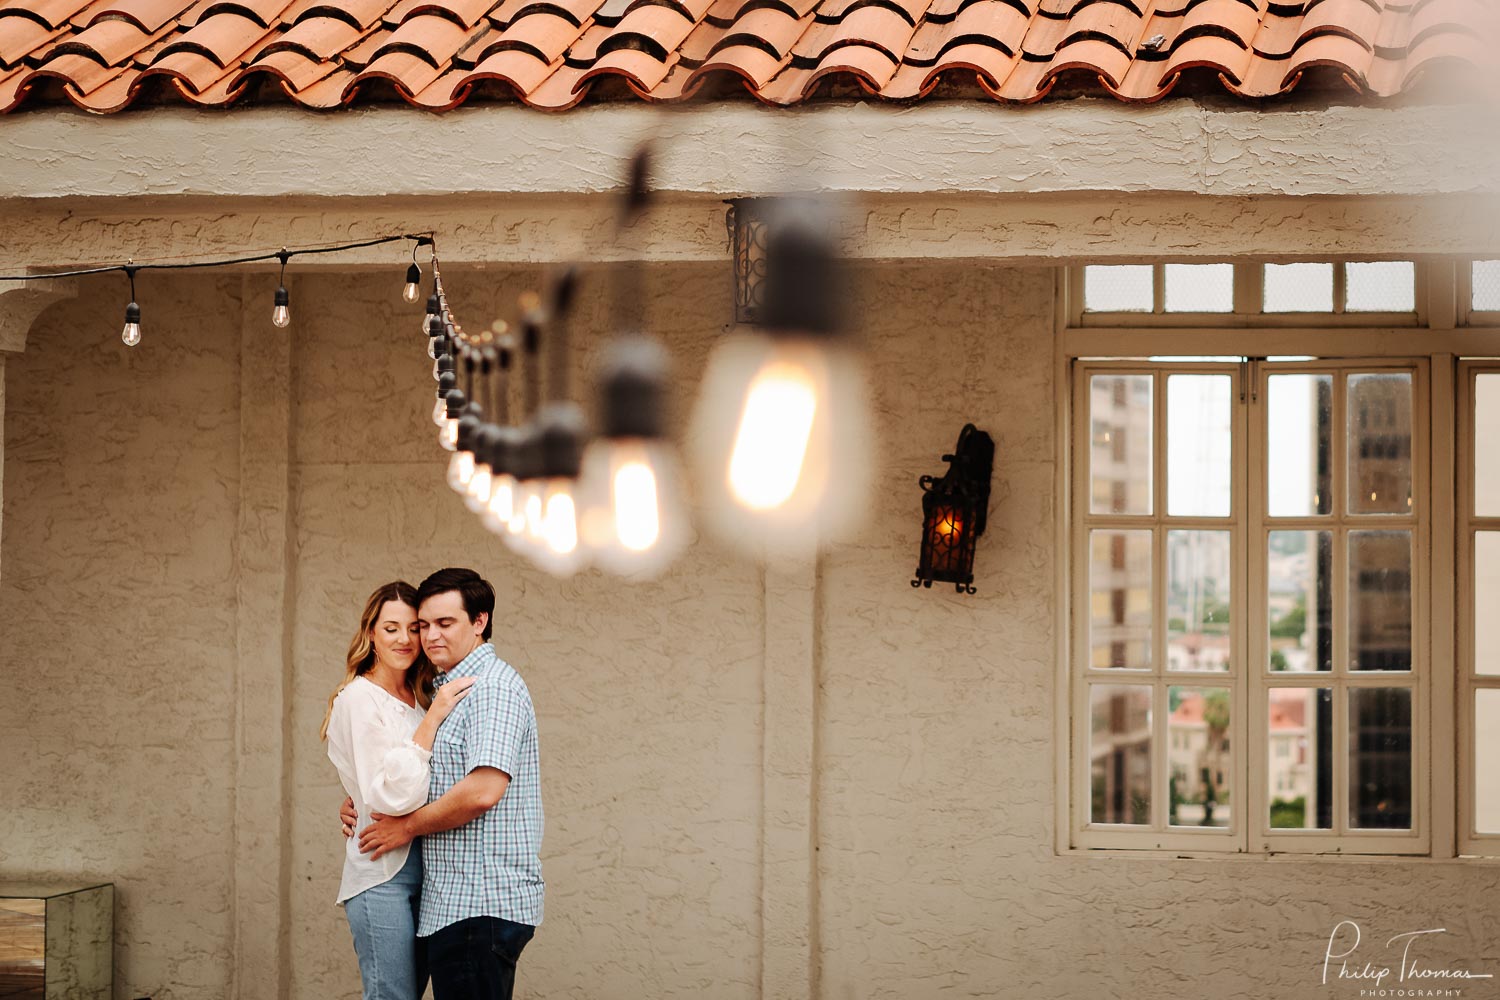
[362, 649]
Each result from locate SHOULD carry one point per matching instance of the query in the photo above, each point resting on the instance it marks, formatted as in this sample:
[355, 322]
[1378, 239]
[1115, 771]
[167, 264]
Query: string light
[413, 278]
[634, 521]
[281, 315]
[782, 421]
[131, 334]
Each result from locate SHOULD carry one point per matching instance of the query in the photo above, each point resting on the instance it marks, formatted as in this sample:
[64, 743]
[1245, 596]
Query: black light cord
[421, 239]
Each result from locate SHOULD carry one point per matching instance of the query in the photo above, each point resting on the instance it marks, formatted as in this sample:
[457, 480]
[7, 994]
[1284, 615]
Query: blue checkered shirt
[489, 867]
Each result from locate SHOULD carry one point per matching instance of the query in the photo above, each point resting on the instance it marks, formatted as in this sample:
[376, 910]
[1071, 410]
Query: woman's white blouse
[369, 741]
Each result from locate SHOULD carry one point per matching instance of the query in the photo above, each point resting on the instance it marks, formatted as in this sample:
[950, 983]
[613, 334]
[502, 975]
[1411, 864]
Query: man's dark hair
[478, 596]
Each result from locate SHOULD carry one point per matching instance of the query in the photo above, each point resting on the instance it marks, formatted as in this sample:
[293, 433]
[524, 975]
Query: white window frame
[1470, 840]
[1445, 332]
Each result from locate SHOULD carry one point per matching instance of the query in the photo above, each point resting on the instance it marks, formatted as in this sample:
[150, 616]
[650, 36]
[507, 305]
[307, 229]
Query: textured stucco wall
[119, 613]
[135, 592]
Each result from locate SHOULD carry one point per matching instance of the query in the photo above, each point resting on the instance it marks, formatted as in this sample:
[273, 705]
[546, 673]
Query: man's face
[447, 633]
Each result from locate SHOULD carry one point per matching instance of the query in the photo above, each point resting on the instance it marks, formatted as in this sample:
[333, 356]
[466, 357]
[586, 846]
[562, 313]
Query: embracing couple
[435, 741]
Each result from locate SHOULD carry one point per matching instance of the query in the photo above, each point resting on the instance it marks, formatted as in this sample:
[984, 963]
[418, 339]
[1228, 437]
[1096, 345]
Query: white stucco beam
[1226, 149]
[546, 229]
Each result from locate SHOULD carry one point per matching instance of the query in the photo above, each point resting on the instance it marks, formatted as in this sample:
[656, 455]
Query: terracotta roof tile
[551, 54]
[148, 15]
[21, 36]
[360, 14]
[48, 13]
[110, 43]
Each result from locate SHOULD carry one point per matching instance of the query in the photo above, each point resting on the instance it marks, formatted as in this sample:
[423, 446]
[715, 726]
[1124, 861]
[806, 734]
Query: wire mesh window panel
[1486, 286]
[1119, 288]
[1200, 288]
[1381, 286]
[1298, 288]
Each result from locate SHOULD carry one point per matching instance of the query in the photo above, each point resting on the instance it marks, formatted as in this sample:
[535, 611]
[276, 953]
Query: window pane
[1383, 286]
[1299, 424]
[1300, 777]
[1379, 443]
[1298, 288]
[1486, 457]
[1199, 756]
[1380, 600]
[1486, 600]
[1120, 753]
[1299, 583]
[1120, 599]
[1486, 286]
[1120, 444]
[1486, 754]
[1199, 445]
[1380, 758]
[1198, 600]
[1118, 288]
[1200, 288]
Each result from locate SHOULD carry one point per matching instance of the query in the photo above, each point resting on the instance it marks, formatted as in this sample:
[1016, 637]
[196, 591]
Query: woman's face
[396, 637]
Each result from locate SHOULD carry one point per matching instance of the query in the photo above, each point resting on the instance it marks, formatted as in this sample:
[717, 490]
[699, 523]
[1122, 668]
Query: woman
[381, 743]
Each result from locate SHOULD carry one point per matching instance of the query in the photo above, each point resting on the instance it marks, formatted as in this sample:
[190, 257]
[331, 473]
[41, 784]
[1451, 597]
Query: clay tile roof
[436, 54]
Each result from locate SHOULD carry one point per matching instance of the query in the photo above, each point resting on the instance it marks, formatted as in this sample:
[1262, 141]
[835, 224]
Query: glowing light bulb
[771, 442]
[782, 442]
[131, 335]
[440, 412]
[531, 512]
[281, 315]
[477, 495]
[460, 469]
[501, 509]
[413, 275]
[635, 520]
[560, 523]
[432, 351]
[557, 549]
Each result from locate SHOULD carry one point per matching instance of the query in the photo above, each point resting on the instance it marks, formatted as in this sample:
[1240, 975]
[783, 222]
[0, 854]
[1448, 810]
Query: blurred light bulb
[281, 315]
[460, 469]
[437, 370]
[501, 509]
[131, 334]
[448, 436]
[432, 351]
[440, 412]
[558, 550]
[531, 513]
[782, 441]
[635, 520]
[413, 275]
[771, 442]
[477, 495]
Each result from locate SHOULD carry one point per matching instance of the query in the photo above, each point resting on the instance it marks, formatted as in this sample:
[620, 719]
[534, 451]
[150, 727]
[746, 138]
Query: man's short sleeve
[498, 720]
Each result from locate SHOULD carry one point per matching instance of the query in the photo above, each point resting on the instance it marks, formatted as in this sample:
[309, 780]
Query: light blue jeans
[383, 920]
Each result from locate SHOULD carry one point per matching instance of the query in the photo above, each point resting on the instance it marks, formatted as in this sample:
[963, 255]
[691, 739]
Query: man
[481, 829]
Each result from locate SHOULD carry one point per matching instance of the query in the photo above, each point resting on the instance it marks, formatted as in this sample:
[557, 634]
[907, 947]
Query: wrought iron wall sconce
[953, 512]
[747, 223]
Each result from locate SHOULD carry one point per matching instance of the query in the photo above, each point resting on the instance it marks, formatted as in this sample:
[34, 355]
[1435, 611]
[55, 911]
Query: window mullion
[1247, 582]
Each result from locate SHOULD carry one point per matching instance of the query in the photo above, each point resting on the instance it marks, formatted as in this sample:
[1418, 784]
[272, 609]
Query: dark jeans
[475, 959]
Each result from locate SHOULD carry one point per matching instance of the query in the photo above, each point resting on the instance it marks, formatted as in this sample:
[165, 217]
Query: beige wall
[148, 595]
